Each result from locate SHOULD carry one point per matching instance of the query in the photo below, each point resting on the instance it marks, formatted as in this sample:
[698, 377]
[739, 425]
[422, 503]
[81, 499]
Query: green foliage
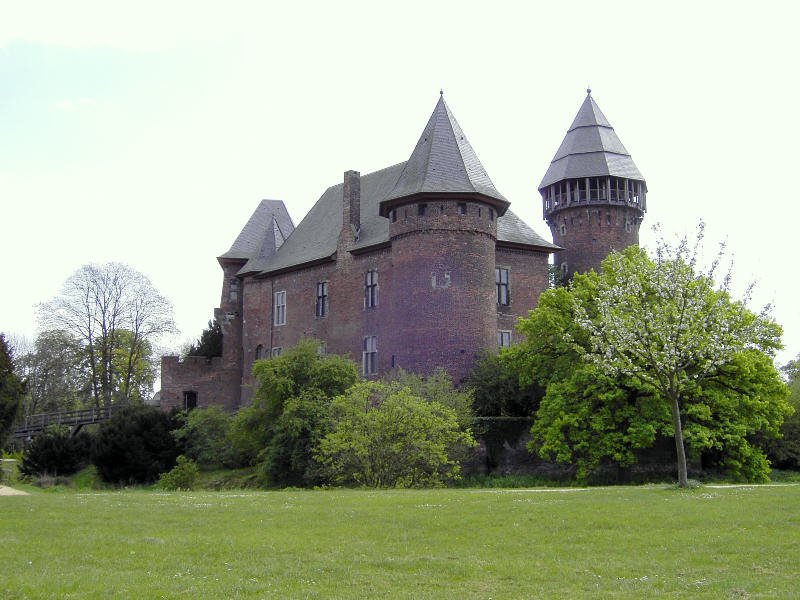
[385, 436]
[55, 373]
[183, 475]
[135, 445]
[497, 390]
[12, 389]
[438, 387]
[210, 342]
[56, 452]
[204, 438]
[784, 451]
[289, 384]
[598, 411]
[287, 459]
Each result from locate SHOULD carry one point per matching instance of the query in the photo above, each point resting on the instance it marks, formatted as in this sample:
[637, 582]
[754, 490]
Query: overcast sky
[147, 132]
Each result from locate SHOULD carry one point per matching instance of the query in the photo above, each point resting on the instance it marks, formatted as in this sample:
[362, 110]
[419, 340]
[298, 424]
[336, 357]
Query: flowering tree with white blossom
[669, 325]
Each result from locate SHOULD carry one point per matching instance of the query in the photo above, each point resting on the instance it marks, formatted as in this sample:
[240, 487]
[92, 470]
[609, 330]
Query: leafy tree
[210, 342]
[385, 436]
[299, 372]
[135, 445]
[56, 452]
[497, 390]
[438, 387]
[654, 335]
[12, 389]
[54, 371]
[97, 304]
[784, 452]
[204, 437]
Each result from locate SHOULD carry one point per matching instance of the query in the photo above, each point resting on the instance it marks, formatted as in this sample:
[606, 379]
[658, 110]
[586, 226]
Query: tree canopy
[647, 348]
[12, 389]
[115, 315]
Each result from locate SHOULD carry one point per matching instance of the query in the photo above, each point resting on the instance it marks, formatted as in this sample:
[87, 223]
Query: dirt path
[7, 491]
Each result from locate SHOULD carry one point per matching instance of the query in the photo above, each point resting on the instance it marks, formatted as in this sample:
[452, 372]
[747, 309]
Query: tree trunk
[683, 480]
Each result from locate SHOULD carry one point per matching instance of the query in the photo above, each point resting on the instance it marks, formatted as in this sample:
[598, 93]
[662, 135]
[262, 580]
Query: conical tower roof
[591, 148]
[444, 161]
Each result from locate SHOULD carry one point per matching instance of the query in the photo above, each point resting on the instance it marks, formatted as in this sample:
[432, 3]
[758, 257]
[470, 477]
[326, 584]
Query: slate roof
[443, 161]
[265, 231]
[591, 148]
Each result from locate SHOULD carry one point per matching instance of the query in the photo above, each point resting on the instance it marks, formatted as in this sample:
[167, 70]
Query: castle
[416, 266]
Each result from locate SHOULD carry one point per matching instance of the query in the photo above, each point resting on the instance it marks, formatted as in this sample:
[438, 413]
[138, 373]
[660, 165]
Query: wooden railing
[74, 419]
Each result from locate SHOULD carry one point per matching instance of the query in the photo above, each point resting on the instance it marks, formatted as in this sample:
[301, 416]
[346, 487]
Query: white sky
[147, 132]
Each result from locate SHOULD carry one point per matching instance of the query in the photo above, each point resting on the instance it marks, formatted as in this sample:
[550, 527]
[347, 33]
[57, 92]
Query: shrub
[183, 475]
[204, 438]
[384, 436]
[56, 452]
[135, 445]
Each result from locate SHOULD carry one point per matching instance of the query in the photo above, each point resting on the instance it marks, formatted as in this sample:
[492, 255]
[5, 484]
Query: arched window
[259, 351]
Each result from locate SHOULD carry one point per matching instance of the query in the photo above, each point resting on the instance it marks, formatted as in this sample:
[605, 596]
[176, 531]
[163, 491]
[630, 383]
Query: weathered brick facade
[420, 265]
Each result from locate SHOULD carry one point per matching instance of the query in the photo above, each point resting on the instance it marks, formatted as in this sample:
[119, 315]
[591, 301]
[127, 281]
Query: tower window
[279, 308]
[322, 299]
[370, 289]
[628, 225]
[233, 292]
[562, 229]
[491, 214]
[276, 351]
[369, 357]
[259, 351]
[422, 209]
[462, 208]
[189, 400]
[501, 283]
[503, 339]
[393, 215]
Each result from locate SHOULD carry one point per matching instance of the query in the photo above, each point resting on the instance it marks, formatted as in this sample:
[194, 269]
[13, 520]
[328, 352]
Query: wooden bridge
[74, 419]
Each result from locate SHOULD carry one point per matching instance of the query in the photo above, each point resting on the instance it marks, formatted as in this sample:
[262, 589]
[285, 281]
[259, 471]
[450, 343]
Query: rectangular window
[422, 209]
[462, 208]
[276, 351]
[369, 362]
[279, 308]
[501, 281]
[491, 214]
[322, 349]
[503, 339]
[322, 299]
[371, 289]
[393, 215]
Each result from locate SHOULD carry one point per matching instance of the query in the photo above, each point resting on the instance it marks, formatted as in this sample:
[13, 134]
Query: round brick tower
[593, 196]
[442, 216]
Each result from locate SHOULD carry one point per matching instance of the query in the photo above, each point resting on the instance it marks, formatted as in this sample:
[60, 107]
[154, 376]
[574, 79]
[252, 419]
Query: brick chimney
[351, 204]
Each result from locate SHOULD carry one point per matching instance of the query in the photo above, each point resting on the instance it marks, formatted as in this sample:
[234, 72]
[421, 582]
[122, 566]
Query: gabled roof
[443, 161]
[265, 231]
[591, 148]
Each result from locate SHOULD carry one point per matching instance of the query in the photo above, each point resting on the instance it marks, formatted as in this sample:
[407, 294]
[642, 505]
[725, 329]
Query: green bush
[204, 438]
[136, 445]
[183, 475]
[56, 452]
[384, 436]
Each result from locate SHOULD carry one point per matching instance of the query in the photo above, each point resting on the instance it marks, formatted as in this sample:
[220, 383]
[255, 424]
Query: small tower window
[279, 308]
[393, 215]
[491, 214]
[233, 289]
[562, 229]
[422, 209]
[462, 208]
[503, 339]
[259, 351]
[322, 299]
[501, 283]
[370, 289]
[369, 357]
[189, 400]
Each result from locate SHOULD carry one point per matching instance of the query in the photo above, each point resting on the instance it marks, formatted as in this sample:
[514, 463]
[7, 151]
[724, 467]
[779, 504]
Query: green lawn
[622, 542]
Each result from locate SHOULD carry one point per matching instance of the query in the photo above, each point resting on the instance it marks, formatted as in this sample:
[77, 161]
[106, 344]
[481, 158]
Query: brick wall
[589, 233]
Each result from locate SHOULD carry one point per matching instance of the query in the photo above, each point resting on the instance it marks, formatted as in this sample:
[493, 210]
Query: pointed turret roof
[265, 232]
[591, 148]
[444, 161]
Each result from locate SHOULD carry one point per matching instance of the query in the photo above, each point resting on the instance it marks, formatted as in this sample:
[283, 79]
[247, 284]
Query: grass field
[621, 542]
